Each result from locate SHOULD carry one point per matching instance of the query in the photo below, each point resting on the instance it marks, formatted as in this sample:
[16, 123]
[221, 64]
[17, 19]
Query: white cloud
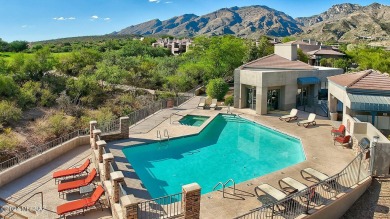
[168, 2]
[107, 19]
[94, 17]
[24, 26]
[154, 1]
[63, 18]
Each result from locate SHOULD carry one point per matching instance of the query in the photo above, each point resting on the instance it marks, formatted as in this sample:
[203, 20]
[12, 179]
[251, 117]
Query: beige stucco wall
[381, 162]
[288, 51]
[28, 165]
[285, 80]
[338, 208]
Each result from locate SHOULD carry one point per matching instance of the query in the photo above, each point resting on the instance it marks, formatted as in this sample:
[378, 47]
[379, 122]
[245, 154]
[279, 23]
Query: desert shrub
[217, 88]
[59, 124]
[29, 94]
[48, 98]
[8, 142]
[101, 115]
[229, 101]
[52, 126]
[9, 112]
[8, 87]
[165, 94]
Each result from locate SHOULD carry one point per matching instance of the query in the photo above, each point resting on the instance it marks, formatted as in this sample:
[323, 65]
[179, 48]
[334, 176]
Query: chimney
[287, 50]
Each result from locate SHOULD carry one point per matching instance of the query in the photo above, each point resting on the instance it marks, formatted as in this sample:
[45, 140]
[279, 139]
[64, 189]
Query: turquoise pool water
[193, 120]
[229, 147]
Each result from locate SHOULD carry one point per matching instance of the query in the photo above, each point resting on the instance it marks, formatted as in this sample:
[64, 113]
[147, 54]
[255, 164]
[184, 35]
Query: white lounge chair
[293, 184]
[291, 116]
[327, 183]
[271, 192]
[202, 103]
[213, 103]
[314, 174]
[309, 121]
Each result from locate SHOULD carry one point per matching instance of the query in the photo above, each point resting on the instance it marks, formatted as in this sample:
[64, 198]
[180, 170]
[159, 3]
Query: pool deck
[320, 153]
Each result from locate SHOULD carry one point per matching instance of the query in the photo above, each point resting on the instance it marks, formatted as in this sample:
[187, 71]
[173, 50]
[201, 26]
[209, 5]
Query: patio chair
[82, 204]
[72, 172]
[317, 175]
[202, 103]
[291, 184]
[62, 187]
[327, 183]
[274, 194]
[213, 103]
[343, 140]
[291, 116]
[338, 132]
[309, 121]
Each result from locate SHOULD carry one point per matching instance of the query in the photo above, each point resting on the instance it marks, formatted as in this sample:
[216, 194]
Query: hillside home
[279, 81]
[176, 46]
[316, 51]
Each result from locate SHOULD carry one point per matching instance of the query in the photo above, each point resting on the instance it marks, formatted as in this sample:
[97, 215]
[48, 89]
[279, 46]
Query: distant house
[362, 95]
[176, 46]
[279, 81]
[316, 51]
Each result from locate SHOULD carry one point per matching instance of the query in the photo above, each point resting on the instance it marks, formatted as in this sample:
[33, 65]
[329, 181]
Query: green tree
[178, 82]
[110, 74]
[220, 56]
[18, 46]
[302, 56]
[217, 88]
[341, 63]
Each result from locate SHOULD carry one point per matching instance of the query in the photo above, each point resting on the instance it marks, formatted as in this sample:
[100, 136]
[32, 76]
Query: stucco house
[279, 81]
[364, 95]
[316, 51]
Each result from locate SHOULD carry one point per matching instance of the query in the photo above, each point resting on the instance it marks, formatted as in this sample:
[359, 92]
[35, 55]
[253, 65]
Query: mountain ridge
[341, 22]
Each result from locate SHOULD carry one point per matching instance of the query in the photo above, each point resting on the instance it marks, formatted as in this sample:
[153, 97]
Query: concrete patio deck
[40, 180]
[320, 152]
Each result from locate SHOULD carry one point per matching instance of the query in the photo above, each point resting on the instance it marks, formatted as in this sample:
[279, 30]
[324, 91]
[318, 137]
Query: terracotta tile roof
[325, 52]
[277, 62]
[366, 80]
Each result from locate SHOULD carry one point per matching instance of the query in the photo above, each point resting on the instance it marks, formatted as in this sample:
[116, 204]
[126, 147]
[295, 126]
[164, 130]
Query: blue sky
[34, 20]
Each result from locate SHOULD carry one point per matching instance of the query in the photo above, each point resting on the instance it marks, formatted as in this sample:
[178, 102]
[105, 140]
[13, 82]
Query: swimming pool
[193, 120]
[228, 148]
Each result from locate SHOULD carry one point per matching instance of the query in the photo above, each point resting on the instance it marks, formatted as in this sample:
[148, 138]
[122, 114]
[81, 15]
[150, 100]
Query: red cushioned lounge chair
[338, 132]
[343, 140]
[82, 204]
[77, 183]
[72, 172]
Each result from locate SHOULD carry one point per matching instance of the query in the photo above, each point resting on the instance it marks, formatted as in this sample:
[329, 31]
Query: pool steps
[166, 135]
[224, 186]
